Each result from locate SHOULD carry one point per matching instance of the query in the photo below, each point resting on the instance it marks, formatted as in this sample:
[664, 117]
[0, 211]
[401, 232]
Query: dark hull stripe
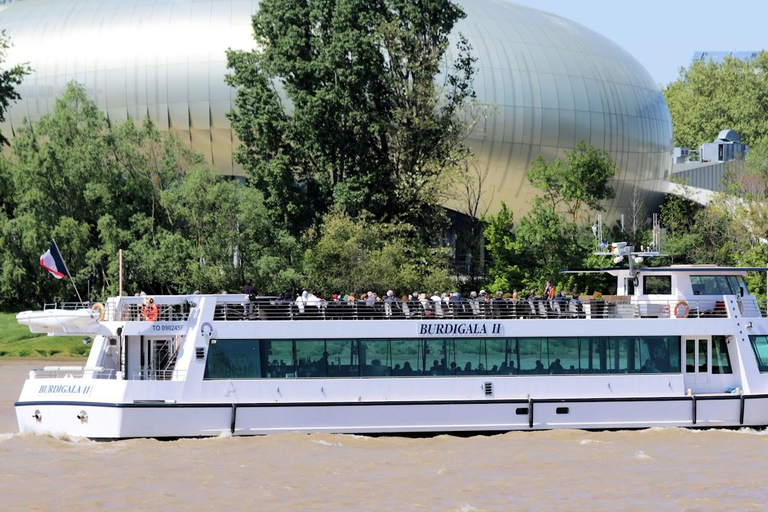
[149, 404]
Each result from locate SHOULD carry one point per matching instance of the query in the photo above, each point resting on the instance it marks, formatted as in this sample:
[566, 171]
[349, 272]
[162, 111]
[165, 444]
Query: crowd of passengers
[550, 302]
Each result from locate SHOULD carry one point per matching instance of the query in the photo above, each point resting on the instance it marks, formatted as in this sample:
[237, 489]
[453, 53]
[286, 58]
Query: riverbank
[17, 341]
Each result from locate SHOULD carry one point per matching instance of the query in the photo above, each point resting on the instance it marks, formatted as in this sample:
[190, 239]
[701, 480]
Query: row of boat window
[253, 359]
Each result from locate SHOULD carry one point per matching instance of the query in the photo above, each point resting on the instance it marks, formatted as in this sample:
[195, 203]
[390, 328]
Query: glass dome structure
[552, 82]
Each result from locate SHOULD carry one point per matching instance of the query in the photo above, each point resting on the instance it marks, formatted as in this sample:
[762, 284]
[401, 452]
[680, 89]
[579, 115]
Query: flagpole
[120, 287]
[67, 269]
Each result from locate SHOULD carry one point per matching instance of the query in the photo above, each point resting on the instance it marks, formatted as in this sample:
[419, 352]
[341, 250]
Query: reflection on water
[669, 469]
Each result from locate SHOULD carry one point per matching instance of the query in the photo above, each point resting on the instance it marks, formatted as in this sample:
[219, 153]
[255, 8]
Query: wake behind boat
[683, 346]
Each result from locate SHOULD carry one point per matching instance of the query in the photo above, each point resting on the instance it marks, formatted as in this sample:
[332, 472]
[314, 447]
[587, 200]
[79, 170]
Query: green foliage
[732, 230]
[501, 249]
[9, 78]
[358, 255]
[97, 189]
[711, 96]
[579, 183]
[365, 126]
[549, 238]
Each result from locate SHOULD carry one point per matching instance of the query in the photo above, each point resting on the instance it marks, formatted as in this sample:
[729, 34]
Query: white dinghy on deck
[61, 321]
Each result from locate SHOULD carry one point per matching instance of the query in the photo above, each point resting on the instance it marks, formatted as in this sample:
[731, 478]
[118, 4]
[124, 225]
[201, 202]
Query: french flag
[52, 262]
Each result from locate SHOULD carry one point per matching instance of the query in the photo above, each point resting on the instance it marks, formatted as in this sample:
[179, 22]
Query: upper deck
[239, 308]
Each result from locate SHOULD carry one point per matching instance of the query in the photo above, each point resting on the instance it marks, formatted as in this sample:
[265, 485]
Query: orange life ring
[685, 308]
[151, 311]
[100, 308]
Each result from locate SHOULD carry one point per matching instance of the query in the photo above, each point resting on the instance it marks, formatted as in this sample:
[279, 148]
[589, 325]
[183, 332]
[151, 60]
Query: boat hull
[99, 420]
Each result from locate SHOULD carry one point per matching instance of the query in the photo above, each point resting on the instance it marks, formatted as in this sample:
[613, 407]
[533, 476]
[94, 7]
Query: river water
[660, 469]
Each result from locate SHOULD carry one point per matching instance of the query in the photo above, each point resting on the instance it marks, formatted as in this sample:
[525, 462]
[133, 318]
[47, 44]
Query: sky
[664, 34]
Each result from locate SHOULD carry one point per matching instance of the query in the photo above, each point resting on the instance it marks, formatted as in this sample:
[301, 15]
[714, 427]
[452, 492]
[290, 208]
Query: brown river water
[657, 469]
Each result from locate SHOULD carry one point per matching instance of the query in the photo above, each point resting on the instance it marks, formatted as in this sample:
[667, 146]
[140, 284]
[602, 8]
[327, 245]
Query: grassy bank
[17, 341]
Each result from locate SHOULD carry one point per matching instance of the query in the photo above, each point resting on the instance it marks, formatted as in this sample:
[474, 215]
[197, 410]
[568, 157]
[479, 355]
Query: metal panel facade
[553, 82]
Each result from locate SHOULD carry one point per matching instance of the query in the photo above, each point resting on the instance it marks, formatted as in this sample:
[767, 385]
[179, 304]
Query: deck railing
[227, 310]
[233, 308]
[159, 375]
[71, 372]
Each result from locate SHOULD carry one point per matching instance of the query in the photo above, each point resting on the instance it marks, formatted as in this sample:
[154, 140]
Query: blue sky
[664, 34]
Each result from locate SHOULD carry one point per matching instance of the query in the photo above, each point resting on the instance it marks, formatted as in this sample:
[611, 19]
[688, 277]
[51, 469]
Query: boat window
[232, 359]
[311, 358]
[502, 356]
[278, 359]
[599, 354]
[470, 357]
[760, 347]
[436, 352]
[721, 362]
[533, 355]
[702, 356]
[253, 359]
[657, 285]
[375, 358]
[342, 358]
[690, 356]
[406, 358]
[563, 355]
[715, 285]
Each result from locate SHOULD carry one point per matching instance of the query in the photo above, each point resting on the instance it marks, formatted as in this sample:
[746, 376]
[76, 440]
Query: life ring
[100, 308]
[686, 309]
[151, 311]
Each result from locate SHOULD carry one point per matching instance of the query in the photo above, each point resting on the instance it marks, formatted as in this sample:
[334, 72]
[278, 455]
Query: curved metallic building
[553, 82]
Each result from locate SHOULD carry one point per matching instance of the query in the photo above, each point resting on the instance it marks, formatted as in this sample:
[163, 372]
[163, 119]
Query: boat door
[150, 358]
[697, 357]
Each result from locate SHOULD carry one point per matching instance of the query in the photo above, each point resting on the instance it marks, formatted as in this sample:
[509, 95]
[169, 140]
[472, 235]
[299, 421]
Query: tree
[98, 188]
[9, 78]
[358, 255]
[579, 183]
[711, 96]
[365, 125]
[501, 248]
[552, 235]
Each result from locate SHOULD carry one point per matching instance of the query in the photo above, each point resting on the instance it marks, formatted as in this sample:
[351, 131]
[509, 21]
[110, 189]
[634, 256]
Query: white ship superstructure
[677, 346]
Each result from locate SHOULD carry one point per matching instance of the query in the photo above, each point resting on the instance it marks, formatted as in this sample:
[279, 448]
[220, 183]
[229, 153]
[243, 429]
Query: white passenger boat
[679, 346]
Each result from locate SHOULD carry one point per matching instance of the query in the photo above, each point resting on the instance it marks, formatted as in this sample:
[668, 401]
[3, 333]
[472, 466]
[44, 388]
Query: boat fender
[151, 311]
[685, 307]
[100, 308]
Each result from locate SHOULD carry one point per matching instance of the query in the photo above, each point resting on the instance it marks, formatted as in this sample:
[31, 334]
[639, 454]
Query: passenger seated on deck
[556, 367]
[539, 367]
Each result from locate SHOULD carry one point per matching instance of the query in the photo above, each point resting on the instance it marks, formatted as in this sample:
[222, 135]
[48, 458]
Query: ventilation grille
[488, 386]
[200, 352]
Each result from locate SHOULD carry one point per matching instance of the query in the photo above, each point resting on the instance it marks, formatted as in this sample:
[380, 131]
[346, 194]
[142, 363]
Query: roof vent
[729, 135]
